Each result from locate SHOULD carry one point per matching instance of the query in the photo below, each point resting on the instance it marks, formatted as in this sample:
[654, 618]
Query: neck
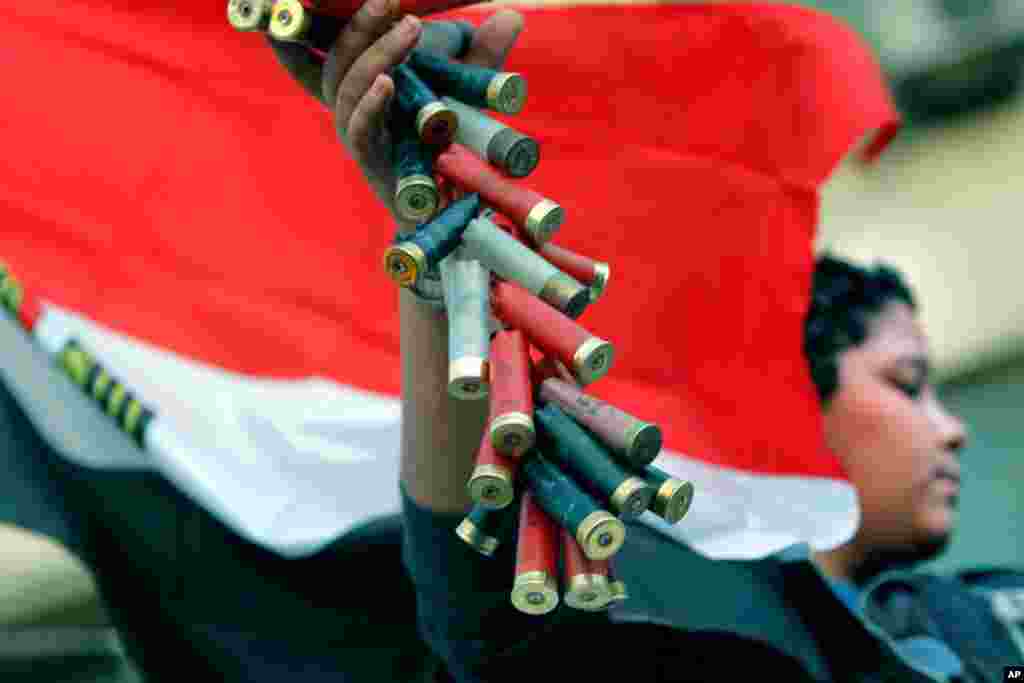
[839, 563]
[859, 564]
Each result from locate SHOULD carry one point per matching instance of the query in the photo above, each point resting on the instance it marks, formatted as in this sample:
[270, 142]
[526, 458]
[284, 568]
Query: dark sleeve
[464, 610]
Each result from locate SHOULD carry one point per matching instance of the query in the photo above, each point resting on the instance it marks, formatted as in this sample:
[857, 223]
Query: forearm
[440, 434]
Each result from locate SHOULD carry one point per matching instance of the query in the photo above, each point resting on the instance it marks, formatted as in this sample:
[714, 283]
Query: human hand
[353, 81]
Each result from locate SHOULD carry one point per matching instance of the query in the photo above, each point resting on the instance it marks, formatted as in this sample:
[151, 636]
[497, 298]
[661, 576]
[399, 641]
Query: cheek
[868, 431]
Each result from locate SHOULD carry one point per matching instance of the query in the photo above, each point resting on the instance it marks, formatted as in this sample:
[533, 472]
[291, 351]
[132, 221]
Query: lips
[949, 480]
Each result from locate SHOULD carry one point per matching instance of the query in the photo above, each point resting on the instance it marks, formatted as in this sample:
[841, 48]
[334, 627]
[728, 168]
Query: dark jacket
[687, 618]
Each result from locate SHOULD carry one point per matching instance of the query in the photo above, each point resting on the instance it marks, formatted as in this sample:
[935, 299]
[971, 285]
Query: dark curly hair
[845, 299]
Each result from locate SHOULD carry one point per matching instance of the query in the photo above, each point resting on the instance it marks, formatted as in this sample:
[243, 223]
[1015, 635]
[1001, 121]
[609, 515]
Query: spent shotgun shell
[406, 261]
[585, 580]
[579, 453]
[416, 194]
[594, 274]
[598, 532]
[417, 104]
[478, 86]
[510, 260]
[564, 292]
[552, 332]
[511, 428]
[635, 441]
[481, 529]
[249, 15]
[515, 153]
[673, 496]
[535, 590]
[467, 286]
[290, 21]
[492, 483]
[540, 216]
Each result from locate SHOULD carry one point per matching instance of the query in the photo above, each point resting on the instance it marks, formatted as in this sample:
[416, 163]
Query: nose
[952, 430]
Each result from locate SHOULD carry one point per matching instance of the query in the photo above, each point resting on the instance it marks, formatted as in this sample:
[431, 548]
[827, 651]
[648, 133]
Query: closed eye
[912, 390]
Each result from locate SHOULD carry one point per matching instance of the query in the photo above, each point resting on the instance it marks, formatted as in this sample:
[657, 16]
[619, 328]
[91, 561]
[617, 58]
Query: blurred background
[943, 204]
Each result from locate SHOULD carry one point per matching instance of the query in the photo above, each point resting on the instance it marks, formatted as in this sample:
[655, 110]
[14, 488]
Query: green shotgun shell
[407, 260]
[480, 529]
[417, 104]
[416, 195]
[590, 463]
[597, 531]
[478, 86]
[673, 497]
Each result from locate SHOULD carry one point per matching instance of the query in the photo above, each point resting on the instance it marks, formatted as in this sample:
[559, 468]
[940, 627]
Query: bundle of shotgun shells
[573, 466]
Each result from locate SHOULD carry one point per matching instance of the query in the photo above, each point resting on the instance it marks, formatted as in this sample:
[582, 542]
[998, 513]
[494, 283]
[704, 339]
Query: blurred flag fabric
[186, 211]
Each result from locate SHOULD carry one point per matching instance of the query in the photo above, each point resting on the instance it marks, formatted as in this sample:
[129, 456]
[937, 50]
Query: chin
[935, 529]
[932, 545]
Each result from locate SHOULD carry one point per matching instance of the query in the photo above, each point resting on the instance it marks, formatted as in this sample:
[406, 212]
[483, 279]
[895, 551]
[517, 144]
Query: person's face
[896, 441]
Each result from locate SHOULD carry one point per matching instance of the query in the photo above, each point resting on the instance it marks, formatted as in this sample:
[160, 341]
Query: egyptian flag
[185, 215]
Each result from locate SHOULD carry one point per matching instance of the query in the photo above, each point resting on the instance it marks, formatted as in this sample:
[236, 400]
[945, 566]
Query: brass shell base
[543, 220]
[518, 154]
[491, 486]
[404, 262]
[513, 433]
[467, 378]
[633, 497]
[436, 124]
[289, 21]
[588, 592]
[643, 443]
[565, 294]
[476, 539]
[673, 500]
[506, 93]
[600, 535]
[535, 593]
[416, 198]
[592, 360]
[249, 15]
